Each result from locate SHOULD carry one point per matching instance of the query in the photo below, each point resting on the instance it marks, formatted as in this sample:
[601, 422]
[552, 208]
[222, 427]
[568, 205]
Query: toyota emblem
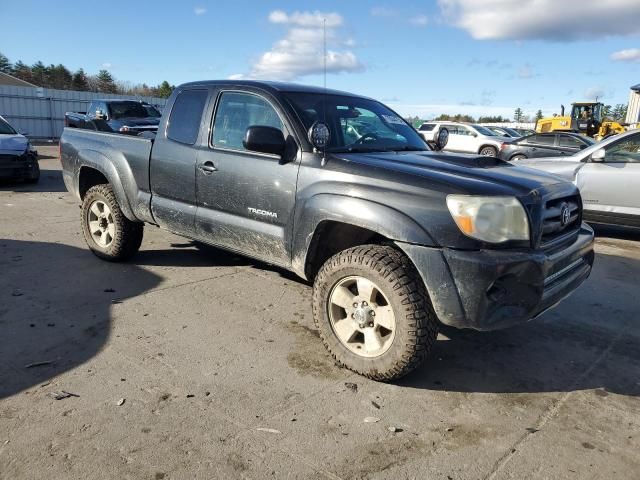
[565, 215]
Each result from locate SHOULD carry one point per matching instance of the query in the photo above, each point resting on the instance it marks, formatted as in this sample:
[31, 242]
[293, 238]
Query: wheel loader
[585, 117]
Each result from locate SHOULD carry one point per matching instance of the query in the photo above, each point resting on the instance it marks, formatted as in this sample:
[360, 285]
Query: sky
[478, 57]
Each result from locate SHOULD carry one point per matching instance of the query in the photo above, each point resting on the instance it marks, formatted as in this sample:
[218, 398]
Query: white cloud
[306, 19]
[543, 19]
[419, 20]
[107, 66]
[592, 93]
[199, 11]
[300, 52]
[525, 72]
[628, 55]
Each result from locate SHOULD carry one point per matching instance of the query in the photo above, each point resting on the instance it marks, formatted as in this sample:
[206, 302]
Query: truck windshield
[5, 128]
[128, 110]
[356, 124]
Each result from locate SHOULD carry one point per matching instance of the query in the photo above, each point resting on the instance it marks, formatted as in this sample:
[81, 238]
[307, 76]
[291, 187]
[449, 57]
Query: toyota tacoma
[396, 237]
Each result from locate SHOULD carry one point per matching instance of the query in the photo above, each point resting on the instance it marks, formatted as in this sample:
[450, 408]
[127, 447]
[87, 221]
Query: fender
[106, 166]
[359, 212]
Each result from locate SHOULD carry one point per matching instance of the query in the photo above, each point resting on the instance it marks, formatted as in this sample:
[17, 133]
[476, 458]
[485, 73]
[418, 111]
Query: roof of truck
[271, 86]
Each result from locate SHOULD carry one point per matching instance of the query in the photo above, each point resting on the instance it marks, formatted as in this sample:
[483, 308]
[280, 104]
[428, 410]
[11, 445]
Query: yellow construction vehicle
[586, 118]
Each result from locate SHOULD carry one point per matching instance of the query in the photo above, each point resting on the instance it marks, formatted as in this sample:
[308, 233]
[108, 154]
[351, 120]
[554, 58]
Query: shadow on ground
[55, 303]
[590, 341]
[50, 181]
[622, 233]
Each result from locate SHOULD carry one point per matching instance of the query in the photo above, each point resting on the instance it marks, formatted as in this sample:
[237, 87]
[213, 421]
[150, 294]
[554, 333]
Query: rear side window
[427, 127]
[184, 121]
[541, 139]
[571, 142]
[238, 111]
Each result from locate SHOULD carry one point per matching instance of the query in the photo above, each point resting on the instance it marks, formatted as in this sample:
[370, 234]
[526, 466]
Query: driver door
[245, 199]
[613, 185]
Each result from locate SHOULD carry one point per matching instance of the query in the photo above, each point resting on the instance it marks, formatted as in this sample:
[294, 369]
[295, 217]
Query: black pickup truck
[397, 238]
[129, 117]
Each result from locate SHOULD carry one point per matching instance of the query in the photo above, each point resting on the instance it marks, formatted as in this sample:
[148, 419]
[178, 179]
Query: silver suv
[608, 176]
[464, 137]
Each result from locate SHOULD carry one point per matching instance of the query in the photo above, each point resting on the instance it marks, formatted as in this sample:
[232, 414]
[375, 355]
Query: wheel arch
[329, 223]
[96, 169]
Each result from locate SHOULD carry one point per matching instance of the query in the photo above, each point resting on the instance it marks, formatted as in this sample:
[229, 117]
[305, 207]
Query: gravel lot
[223, 376]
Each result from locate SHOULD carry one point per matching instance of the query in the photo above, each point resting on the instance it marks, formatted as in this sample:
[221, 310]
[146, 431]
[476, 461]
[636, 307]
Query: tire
[489, 151]
[119, 238]
[397, 290]
[518, 157]
[34, 175]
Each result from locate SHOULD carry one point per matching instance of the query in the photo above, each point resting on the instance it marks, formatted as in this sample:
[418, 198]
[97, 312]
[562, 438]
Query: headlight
[490, 219]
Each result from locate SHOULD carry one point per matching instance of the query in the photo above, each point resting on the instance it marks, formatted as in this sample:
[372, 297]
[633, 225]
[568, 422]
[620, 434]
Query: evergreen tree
[79, 81]
[165, 90]
[39, 73]
[106, 84]
[517, 115]
[539, 115]
[22, 71]
[5, 64]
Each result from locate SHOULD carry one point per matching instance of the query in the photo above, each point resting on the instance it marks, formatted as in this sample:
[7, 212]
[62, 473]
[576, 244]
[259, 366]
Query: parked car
[524, 131]
[608, 176]
[544, 145]
[124, 116]
[18, 159]
[504, 131]
[342, 191]
[464, 137]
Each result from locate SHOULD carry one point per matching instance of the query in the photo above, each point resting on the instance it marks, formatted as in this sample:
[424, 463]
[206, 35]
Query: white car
[608, 176]
[464, 137]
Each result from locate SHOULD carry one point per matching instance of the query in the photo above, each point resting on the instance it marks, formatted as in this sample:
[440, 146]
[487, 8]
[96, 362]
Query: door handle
[207, 168]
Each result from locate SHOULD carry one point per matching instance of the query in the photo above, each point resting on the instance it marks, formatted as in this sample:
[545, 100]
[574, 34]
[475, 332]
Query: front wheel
[34, 174]
[373, 312]
[489, 152]
[108, 233]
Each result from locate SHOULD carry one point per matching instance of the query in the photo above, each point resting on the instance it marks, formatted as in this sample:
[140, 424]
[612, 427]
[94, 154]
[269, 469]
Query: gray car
[608, 176]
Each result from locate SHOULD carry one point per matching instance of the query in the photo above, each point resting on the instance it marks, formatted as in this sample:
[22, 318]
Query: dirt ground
[189, 362]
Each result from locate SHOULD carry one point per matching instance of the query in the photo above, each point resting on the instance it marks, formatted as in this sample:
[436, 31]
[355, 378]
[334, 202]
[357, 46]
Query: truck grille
[561, 217]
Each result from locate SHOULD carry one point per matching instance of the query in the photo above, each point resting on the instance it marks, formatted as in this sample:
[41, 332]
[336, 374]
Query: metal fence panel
[40, 111]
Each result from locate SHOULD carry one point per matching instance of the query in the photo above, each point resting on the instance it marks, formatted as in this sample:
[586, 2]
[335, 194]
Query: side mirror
[474, 134]
[259, 138]
[598, 155]
[442, 139]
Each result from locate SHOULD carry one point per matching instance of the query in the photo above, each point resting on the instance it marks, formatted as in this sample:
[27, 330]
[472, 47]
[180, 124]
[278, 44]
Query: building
[6, 79]
[633, 110]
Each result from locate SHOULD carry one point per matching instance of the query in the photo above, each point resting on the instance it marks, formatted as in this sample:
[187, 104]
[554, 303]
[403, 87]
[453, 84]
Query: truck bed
[122, 159]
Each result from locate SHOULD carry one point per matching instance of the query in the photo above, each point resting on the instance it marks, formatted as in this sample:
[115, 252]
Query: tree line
[61, 78]
[615, 113]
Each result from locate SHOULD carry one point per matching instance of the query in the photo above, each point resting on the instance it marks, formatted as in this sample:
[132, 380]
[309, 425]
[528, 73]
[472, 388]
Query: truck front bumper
[492, 289]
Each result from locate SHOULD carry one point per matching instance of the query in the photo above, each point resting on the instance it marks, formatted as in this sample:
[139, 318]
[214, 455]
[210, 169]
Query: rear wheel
[108, 233]
[489, 151]
[373, 312]
[516, 158]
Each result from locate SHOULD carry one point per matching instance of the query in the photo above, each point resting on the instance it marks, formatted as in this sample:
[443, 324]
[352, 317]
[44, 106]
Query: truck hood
[471, 174]
[13, 144]
[566, 169]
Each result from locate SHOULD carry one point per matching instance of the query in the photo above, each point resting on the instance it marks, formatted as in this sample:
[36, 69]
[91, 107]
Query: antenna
[324, 94]
[324, 46]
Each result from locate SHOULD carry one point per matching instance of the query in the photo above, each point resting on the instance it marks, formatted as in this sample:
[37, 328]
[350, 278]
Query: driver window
[238, 111]
[624, 151]
[364, 125]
